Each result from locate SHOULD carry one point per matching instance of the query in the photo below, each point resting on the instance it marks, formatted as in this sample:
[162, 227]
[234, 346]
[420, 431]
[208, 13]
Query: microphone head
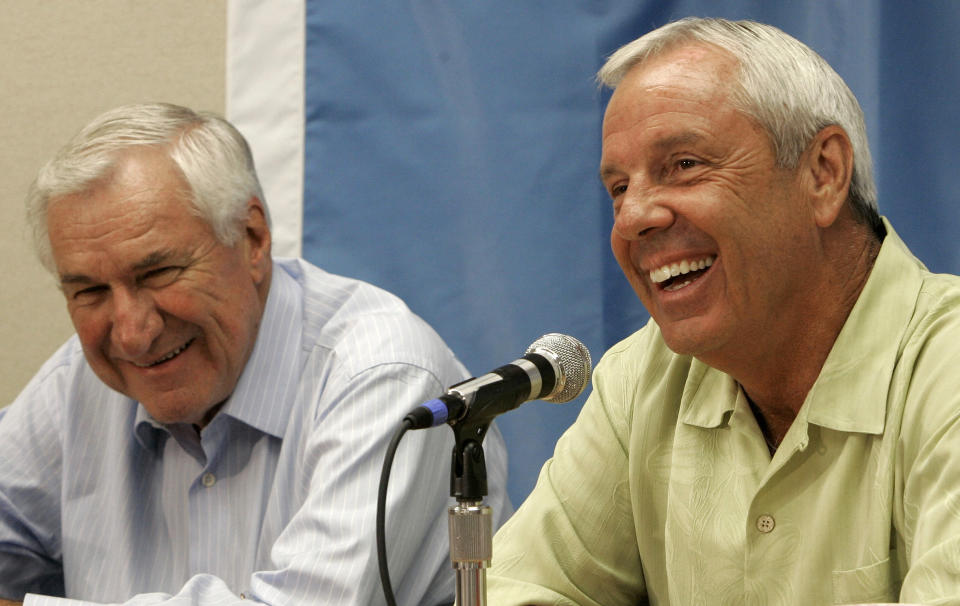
[573, 360]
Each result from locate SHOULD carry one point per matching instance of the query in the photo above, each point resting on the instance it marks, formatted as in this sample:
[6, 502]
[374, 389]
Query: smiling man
[165, 313]
[214, 432]
[786, 429]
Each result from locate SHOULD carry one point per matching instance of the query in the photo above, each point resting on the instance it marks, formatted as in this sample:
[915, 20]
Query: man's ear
[257, 239]
[829, 164]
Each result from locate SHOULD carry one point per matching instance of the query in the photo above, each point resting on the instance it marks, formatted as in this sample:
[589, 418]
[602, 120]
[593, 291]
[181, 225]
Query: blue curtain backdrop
[452, 147]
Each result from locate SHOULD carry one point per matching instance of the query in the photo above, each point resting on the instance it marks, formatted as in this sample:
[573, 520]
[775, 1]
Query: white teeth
[673, 270]
[173, 354]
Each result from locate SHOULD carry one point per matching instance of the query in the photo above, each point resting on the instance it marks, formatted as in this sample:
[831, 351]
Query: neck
[778, 377]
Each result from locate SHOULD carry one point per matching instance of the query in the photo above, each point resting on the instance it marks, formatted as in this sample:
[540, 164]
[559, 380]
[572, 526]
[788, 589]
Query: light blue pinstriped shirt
[276, 502]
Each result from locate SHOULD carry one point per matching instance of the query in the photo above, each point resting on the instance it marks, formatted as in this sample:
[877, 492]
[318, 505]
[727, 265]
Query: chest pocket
[877, 582]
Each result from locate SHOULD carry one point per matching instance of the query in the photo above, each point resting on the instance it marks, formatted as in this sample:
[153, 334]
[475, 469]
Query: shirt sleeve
[572, 541]
[30, 467]
[327, 554]
[927, 492]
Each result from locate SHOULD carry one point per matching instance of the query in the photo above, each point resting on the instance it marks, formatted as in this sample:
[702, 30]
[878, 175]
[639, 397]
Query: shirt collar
[148, 432]
[850, 393]
[264, 395]
[709, 396]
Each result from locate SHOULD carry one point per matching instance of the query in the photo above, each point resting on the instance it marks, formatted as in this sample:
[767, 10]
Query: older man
[786, 429]
[215, 430]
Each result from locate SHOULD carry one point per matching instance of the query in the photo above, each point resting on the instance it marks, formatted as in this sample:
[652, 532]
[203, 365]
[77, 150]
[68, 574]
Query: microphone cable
[404, 427]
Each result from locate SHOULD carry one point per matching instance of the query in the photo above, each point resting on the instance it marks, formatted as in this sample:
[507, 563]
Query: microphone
[555, 368]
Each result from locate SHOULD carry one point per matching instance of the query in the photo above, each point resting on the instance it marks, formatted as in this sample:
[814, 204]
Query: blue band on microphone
[439, 411]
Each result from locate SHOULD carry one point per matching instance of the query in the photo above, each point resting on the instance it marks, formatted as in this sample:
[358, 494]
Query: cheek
[92, 328]
[229, 320]
[621, 252]
[619, 247]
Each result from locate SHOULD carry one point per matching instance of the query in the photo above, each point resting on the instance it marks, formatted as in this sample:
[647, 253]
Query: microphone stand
[470, 521]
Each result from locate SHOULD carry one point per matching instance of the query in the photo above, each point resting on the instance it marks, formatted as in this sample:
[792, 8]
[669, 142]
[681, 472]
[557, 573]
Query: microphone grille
[572, 357]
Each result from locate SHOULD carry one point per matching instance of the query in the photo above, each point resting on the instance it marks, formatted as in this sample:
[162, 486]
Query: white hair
[783, 85]
[212, 155]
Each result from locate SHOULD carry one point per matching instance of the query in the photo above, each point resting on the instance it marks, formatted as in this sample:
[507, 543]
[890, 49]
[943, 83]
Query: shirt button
[765, 523]
[209, 479]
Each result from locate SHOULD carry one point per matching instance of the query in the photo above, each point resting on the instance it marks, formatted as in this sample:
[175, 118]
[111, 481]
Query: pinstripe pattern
[275, 501]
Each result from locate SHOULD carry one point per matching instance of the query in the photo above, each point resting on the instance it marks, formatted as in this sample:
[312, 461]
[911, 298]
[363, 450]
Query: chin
[173, 410]
[681, 348]
[689, 338]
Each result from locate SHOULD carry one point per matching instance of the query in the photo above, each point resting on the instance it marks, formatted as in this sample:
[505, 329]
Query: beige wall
[61, 63]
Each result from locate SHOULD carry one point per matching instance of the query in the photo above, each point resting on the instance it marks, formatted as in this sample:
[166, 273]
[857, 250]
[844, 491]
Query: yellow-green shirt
[664, 492]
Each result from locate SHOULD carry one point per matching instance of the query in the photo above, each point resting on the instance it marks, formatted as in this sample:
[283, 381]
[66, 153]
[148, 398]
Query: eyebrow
[683, 138]
[74, 279]
[153, 259]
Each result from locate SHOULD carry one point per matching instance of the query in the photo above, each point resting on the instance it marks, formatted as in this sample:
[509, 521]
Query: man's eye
[161, 276]
[686, 163]
[89, 294]
[617, 190]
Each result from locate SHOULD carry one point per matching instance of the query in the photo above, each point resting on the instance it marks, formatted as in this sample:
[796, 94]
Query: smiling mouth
[680, 274]
[173, 354]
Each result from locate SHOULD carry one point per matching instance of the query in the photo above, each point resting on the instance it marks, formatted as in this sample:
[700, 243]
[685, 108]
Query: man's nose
[136, 323]
[642, 210]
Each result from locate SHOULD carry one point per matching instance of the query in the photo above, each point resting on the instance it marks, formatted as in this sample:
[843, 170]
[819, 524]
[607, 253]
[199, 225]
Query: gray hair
[212, 155]
[787, 88]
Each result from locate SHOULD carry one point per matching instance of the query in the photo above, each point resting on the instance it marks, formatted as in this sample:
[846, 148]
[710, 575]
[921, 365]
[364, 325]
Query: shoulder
[932, 336]
[925, 304]
[931, 344]
[939, 297]
[360, 325]
[64, 392]
[64, 373]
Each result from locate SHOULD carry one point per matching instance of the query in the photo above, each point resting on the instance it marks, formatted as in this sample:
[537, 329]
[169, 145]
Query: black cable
[405, 425]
